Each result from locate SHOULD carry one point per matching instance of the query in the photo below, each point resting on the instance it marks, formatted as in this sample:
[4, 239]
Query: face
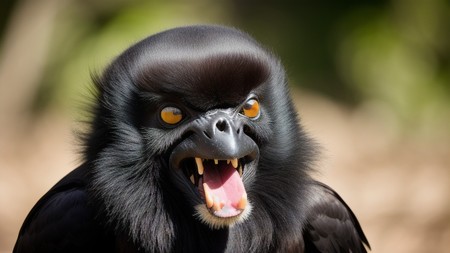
[208, 165]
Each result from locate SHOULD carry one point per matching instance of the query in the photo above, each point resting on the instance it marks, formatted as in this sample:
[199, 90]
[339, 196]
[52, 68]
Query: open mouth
[219, 183]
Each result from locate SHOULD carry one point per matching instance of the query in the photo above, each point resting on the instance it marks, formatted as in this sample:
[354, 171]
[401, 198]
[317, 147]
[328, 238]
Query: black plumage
[194, 146]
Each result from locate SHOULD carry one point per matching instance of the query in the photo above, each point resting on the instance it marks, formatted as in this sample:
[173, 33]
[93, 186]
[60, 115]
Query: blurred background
[371, 80]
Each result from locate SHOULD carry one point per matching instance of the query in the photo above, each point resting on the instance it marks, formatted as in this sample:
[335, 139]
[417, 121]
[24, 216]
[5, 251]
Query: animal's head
[200, 116]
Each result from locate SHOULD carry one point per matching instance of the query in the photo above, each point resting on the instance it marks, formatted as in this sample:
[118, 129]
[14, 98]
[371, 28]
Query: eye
[171, 115]
[251, 108]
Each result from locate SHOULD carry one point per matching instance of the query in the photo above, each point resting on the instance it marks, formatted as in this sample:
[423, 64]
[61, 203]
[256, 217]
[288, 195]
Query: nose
[222, 134]
[221, 126]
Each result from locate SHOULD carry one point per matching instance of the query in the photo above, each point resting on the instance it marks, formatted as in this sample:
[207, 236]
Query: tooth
[216, 161]
[218, 205]
[234, 162]
[228, 161]
[240, 170]
[192, 179]
[208, 198]
[243, 202]
[200, 167]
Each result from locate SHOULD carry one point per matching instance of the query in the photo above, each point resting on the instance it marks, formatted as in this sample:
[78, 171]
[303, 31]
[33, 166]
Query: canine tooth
[192, 179]
[216, 161]
[200, 167]
[243, 202]
[208, 198]
[228, 161]
[234, 162]
[240, 170]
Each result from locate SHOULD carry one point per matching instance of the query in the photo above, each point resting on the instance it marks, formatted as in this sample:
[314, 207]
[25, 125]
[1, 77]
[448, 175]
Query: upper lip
[188, 149]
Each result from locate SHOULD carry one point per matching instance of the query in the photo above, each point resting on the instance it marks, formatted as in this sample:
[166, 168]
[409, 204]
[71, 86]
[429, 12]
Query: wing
[61, 221]
[332, 226]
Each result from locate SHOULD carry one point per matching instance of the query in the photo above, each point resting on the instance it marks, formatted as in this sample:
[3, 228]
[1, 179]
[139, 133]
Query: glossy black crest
[203, 66]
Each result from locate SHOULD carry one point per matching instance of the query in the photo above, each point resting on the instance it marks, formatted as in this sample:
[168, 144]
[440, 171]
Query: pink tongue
[224, 183]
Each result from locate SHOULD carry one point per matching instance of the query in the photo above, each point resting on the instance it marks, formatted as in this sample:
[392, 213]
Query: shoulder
[331, 224]
[62, 220]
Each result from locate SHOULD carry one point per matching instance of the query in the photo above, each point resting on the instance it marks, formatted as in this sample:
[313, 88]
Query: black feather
[332, 226]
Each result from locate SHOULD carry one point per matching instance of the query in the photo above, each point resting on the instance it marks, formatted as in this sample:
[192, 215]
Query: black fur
[125, 198]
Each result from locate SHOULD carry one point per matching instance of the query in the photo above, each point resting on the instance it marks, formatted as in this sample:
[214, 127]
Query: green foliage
[400, 57]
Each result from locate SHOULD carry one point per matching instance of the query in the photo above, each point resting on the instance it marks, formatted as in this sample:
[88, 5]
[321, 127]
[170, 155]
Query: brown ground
[398, 188]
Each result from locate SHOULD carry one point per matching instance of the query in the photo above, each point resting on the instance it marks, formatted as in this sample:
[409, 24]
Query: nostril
[207, 134]
[221, 125]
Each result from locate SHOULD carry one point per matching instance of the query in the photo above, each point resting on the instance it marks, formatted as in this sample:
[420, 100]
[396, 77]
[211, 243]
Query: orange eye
[251, 108]
[171, 115]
